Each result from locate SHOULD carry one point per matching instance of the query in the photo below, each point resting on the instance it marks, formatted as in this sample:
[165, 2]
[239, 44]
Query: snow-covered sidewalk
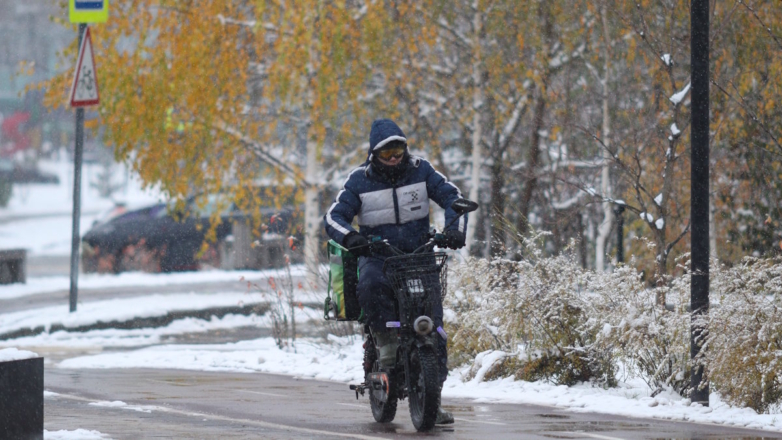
[40, 285]
[120, 310]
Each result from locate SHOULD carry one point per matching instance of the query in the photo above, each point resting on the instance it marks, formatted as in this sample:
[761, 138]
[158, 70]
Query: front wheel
[383, 412]
[424, 388]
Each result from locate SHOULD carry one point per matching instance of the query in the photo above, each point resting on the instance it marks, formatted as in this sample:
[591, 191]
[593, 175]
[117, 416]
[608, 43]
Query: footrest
[358, 389]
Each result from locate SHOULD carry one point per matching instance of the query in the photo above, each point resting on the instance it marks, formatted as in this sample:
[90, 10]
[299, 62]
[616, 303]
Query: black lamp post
[619, 209]
[699, 190]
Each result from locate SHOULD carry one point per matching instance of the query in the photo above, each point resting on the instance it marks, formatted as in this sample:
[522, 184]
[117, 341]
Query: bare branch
[768, 29]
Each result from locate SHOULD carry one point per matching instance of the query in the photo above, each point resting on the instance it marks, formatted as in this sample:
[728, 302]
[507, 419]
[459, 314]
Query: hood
[384, 131]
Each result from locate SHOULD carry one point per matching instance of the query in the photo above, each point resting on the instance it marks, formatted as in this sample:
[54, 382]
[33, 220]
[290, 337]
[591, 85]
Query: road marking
[351, 404]
[245, 421]
[586, 434]
[479, 421]
[263, 394]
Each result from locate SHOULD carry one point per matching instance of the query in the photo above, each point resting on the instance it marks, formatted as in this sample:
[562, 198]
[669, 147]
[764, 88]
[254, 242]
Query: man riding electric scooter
[390, 194]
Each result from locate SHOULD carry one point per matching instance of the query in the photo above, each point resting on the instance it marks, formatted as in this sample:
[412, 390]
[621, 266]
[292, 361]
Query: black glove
[357, 244]
[454, 239]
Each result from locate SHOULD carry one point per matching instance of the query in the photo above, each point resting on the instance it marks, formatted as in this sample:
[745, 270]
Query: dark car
[159, 238]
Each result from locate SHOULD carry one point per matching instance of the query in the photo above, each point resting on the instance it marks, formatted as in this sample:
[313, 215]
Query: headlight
[423, 325]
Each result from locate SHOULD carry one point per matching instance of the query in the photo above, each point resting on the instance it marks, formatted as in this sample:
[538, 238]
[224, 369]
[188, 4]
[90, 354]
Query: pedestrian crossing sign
[84, 90]
[88, 11]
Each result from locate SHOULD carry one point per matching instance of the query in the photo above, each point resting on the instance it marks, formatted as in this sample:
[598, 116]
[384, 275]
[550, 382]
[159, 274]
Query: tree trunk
[312, 221]
[604, 231]
[531, 183]
[477, 103]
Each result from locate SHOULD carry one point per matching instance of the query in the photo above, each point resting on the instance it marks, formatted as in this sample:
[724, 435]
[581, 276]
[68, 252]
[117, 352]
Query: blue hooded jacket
[397, 211]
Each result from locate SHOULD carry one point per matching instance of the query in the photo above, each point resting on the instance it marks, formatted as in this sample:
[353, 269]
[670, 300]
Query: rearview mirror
[462, 206]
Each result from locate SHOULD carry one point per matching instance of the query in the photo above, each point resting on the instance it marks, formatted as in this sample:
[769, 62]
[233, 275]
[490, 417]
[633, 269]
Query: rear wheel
[383, 412]
[424, 388]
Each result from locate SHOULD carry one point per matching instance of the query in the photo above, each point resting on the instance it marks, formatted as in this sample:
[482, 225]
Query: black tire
[424, 388]
[383, 412]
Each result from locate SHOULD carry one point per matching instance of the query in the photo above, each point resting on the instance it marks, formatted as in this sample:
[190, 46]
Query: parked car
[159, 238]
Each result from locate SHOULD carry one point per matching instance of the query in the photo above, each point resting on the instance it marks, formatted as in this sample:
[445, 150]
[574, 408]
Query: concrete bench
[13, 264]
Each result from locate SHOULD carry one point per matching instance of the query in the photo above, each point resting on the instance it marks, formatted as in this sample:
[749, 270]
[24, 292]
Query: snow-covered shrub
[653, 342]
[744, 344]
[537, 311]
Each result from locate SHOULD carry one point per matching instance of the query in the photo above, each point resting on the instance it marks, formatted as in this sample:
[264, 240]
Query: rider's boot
[443, 417]
[386, 343]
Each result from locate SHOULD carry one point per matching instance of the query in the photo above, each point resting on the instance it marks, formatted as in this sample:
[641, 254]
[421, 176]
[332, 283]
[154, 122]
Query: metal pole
[620, 233]
[699, 195]
[77, 158]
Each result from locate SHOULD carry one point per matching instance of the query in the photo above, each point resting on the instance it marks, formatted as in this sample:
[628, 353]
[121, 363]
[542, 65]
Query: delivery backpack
[341, 297]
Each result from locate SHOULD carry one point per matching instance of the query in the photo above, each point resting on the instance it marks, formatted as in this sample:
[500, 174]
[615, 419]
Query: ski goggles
[393, 152]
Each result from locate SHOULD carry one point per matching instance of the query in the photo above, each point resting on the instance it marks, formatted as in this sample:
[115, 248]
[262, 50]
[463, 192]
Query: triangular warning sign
[84, 90]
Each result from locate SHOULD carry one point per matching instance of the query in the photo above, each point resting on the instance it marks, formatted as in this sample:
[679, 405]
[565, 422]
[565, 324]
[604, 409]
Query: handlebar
[461, 206]
[376, 243]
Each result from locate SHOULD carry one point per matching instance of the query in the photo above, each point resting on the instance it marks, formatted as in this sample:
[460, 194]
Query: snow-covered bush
[652, 342]
[536, 312]
[547, 318]
[744, 344]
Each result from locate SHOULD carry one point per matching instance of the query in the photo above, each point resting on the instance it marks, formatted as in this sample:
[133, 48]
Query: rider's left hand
[454, 239]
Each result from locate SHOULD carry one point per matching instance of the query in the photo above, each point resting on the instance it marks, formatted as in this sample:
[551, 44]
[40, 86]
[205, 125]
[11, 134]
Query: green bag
[343, 279]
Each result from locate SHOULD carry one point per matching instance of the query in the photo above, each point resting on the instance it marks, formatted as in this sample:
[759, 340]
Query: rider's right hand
[357, 244]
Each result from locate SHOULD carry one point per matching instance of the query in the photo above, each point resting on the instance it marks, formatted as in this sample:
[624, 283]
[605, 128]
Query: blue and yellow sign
[88, 11]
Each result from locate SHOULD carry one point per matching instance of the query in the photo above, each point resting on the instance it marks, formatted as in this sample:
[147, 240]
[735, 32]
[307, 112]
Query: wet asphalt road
[212, 405]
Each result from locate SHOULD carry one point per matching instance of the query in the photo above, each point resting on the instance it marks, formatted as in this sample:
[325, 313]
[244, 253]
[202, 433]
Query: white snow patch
[648, 217]
[667, 59]
[678, 96]
[35, 286]
[14, 354]
[340, 359]
[123, 405]
[79, 434]
[145, 336]
[120, 309]
[675, 130]
[660, 223]
[659, 199]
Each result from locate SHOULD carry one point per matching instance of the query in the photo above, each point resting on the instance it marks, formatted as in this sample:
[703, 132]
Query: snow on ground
[35, 286]
[340, 360]
[78, 434]
[12, 354]
[121, 309]
[135, 337]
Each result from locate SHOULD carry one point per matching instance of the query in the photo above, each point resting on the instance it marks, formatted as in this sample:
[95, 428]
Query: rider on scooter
[390, 195]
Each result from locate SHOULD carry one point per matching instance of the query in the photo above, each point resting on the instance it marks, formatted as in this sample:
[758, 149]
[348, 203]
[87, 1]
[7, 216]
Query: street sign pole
[77, 159]
[699, 190]
[84, 92]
